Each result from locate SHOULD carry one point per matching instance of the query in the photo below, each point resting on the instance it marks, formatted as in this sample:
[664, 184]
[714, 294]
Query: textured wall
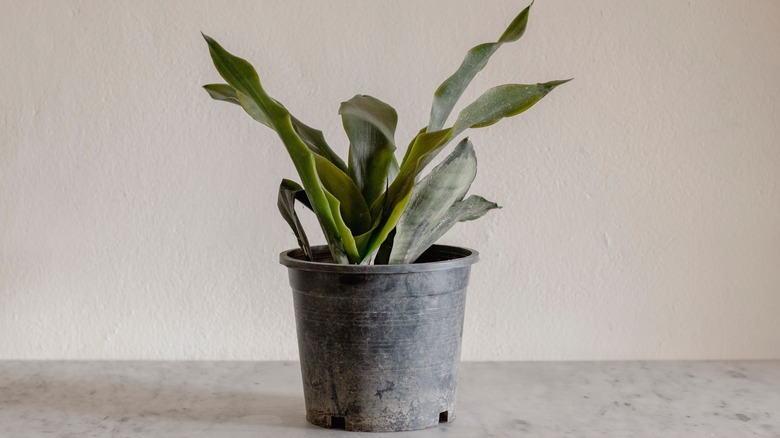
[641, 202]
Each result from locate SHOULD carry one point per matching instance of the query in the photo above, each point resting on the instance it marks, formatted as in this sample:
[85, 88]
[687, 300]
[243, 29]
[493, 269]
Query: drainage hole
[443, 416]
[340, 423]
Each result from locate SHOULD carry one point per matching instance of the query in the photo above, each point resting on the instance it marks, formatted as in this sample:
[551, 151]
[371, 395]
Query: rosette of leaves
[371, 208]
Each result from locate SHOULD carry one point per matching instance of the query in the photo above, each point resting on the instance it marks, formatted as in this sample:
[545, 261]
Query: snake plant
[373, 209]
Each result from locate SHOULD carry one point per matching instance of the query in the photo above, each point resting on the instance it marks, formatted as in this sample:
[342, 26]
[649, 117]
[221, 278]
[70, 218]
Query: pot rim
[453, 257]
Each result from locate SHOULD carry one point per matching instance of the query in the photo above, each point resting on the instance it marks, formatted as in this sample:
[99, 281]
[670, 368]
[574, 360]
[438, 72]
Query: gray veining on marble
[510, 399]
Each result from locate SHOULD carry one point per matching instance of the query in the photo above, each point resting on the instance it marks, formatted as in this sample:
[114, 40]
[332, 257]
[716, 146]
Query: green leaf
[493, 105]
[348, 241]
[471, 208]
[370, 125]
[353, 207]
[388, 209]
[317, 144]
[224, 93]
[243, 78]
[383, 253]
[390, 206]
[289, 191]
[437, 204]
[392, 171]
[448, 93]
[509, 99]
[312, 137]
[500, 102]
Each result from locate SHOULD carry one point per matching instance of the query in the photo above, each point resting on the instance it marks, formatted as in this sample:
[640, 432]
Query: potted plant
[379, 310]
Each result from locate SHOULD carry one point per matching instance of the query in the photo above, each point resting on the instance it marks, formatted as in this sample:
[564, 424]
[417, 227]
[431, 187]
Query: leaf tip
[553, 84]
[210, 41]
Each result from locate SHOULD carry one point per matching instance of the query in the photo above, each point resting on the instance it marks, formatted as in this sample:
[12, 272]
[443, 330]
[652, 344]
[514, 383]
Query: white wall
[641, 213]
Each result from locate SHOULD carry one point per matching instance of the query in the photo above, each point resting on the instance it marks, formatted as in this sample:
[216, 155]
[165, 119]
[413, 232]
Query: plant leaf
[317, 144]
[243, 78]
[437, 205]
[383, 253]
[392, 171]
[288, 193]
[370, 125]
[312, 137]
[471, 208]
[448, 93]
[500, 102]
[353, 207]
[510, 99]
[224, 93]
[349, 245]
[387, 209]
[493, 105]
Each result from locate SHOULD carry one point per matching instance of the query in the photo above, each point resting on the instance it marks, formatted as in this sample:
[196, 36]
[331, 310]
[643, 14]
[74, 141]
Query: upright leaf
[243, 78]
[312, 137]
[392, 171]
[370, 125]
[289, 191]
[353, 207]
[388, 209]
[511, 100]
[383, 253]
[437, 204]
[349, 245]
[448, 93]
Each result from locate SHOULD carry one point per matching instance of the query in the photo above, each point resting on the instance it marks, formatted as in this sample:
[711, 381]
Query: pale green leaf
[500, 102]
[448, 93]
[511, 100]
[471, 208]
[436, 205]
[370, 125]
[493, 105]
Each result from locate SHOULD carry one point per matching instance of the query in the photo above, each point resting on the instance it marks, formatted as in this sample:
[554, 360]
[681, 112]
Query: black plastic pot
[380, 344]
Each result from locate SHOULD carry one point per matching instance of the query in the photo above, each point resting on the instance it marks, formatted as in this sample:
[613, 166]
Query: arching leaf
[289, 191]
[312, 137]
[448, 93]
[493, 105]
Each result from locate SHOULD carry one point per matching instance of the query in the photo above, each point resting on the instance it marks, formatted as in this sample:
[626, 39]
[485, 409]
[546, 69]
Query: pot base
[344, 423]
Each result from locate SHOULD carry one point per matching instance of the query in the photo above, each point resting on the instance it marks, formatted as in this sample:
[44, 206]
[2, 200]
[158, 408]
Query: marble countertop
[505, 399]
